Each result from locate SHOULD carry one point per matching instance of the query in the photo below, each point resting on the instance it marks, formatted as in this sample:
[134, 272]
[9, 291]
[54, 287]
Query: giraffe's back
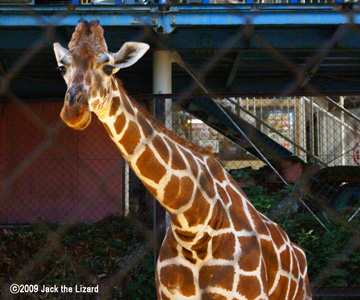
[257, 261]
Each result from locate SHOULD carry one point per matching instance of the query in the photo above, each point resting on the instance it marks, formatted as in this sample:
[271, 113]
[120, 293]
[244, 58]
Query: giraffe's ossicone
[217, 246]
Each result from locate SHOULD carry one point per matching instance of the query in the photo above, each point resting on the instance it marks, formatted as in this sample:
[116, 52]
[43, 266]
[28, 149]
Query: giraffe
[218, 246]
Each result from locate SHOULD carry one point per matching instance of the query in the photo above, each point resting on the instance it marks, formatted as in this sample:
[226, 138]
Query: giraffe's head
[87, 67]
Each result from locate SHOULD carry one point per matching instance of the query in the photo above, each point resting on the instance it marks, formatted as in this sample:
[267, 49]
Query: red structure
[64, 177]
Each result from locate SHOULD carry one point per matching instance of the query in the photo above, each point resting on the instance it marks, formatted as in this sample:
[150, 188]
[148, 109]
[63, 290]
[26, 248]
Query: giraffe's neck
[171, 172]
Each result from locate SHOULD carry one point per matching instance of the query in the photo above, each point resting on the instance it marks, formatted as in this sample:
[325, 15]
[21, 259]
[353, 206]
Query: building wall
[75, 176]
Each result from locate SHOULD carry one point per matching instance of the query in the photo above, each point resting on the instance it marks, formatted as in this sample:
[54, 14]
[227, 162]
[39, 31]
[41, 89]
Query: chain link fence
[73, 215]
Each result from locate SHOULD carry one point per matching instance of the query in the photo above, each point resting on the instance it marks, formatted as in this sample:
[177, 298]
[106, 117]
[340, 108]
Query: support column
[162, 81]
[162, 109]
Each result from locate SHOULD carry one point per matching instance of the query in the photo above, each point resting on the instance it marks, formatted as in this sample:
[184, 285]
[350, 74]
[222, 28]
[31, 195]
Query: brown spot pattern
[192, 163]
[207, 182]
[198, 212]
[276, 235]
[270, 256]
[222, 194]
[239, 219]
[113, 84]
[223, 246]
[307, 285]
[145, 126]
[260, 227]
[115, 103]
[149, 166]
[222, 276]
[161, 148]
[178, 278]
[300, 291]
[216, 169]
[98, 81]
[177, 162]
[301, 259]
[168, 249]
[295, 268]
[281, 288]
[284, 235]
[219, 219]
[285, 258]
[128, 106]
[250, 253]
[184, 235]
[188, 255]
[263, 276]
[175, 221]
[120, 123]
[292, 289]
[212, 296]
[178, 192]
[131, 138]
[249, 286]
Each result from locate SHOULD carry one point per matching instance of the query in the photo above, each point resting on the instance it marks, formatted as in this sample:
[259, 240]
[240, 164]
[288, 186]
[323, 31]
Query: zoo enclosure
[47, 161]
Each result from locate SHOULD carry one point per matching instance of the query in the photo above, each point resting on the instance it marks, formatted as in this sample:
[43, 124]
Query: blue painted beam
[177, 16]
[61, 16]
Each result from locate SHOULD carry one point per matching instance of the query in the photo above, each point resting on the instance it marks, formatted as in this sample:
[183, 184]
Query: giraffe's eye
[108, 69]
[62, 70]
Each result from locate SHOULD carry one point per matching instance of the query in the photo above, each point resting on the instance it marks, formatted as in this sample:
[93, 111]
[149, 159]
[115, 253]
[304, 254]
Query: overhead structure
[244, 48]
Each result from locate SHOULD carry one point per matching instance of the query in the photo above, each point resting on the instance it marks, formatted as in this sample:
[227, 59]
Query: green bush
[89, 254]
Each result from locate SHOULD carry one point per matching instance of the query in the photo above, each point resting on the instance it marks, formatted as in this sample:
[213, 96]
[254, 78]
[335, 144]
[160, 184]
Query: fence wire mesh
[73, 215]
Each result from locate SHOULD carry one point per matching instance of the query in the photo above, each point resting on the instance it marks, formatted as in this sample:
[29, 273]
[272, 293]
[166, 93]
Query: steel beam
[177, 16]
[321, 56]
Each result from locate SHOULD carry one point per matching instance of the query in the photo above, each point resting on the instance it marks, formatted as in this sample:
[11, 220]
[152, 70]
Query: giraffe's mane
[160, 127]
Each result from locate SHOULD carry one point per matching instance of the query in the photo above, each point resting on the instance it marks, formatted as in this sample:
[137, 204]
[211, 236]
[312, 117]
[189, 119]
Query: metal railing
[328, 136]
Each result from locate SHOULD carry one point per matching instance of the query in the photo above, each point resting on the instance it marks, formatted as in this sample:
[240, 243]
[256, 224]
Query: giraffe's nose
[73, 96]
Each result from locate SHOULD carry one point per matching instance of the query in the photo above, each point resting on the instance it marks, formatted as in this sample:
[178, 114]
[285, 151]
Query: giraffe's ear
[60, 52]
[129, 54]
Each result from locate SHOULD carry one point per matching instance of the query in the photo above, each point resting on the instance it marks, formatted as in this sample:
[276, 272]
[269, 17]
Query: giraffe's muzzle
[76, 116]
[75, 112]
